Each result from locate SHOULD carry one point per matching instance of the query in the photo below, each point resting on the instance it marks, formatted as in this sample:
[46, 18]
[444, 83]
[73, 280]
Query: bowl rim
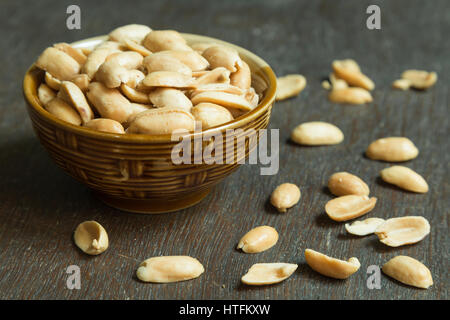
[268, 99]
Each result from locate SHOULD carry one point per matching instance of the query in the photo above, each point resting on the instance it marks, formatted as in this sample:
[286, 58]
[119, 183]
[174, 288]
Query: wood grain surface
[40, 205]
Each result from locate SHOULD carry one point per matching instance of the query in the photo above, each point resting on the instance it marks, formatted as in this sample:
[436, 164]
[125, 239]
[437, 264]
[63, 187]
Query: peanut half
[392, 149]
[331, 267]
[349, 71]
[349, 207]
[91, 237]
[397, 232]
[285, 196]
[105, 125]
[409, 271]
[350, 95]
[63, 111]
[162, 40]
[317, 133]
[221, 56]
[405, 178]
[167, 269]
[364, 227]
[211, 115]
[77, 100]
[268, 273]
[45, 94]
[289, 86]
[134, 32]
[161, 121]
[58, 63]
[344, 183]
[419, 79]
[258, 239]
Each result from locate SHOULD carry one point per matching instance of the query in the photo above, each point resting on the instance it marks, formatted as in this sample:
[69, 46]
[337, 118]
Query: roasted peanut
[420, 79]
[350, 95]
[191, 58]
[258, 239]
[75, 53]
[285, 196]
[134, 32]
[162, 40]
[162, 121]
[349, 71]
[134, 95]
[168, 97]
[63, 111]
[331, 267]
[242, 77]
[77, 100]
[290, 86]
[155, 62]
[45, 94]
[268, 273]
[404, 178]
[222, 56]
[397, 232]
[58, 63]
[52, 82]
[409, 271]
[402, 84]
[105, 125]
[392, 149]
[224, 99]
[349, 207]
[215, 76]
[91, 237]
[134, 46]
[169, 79]
[364, 227]
[344, 183]
[211, 115]
[169, 269]
[317, 133]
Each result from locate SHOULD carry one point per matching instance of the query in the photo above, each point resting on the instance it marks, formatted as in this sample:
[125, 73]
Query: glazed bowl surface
[135, 172]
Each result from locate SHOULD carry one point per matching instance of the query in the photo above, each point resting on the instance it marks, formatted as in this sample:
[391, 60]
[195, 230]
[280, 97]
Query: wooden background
[40, 205]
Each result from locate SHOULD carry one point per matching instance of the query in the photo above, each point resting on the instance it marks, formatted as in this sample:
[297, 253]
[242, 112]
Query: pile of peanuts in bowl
[144, 81]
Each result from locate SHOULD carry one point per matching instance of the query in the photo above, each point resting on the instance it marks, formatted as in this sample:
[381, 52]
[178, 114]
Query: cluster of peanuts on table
[144, 81]
[153, 82]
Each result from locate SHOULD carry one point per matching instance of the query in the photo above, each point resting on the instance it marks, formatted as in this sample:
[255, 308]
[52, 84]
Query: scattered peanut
[167, 269]
[344, 183]
[285, 196]
[419, 79]
[91, 237]
[405, 178]
[349, 71]
[268, 273]
[392, 149]
[397, 232]
[350, 95]
[402, 84]
[409, 271]
[349, 207]
[331, 267]
[364, 227]
[258, 239]
[290, 86]
[317, 133]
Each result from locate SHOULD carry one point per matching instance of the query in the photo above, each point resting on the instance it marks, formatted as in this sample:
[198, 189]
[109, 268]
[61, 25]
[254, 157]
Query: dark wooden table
[40, 205]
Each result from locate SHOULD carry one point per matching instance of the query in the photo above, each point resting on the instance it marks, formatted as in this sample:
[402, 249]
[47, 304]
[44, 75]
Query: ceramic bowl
[135, 172]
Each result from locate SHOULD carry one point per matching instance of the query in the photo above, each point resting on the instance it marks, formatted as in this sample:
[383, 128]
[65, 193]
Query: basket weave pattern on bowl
[135, 172]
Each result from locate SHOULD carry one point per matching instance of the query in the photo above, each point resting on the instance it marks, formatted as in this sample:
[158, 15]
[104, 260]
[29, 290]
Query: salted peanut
[405, 178]
[134, 95]
[420, 79]
[409, 271]
[82, 81]
[105, 125]
[52, 82]
[190, 58]
[162, 121]
[91, 237]
[349, 207]
[63, 111]
[77, 100]
[75, 53]
[45, 94]
[117, 69]
[167, 269]
[58, 63]
[285, 196]
[337, 83]
[317, 133]
[134, 32]
[402, 84]
[96, 59]
[218, 87]
[331, 267]
[135, 77]
[168, 97]
[344, 183]
[162, 40]
[242, 78]
[210, 114]
[134, 46]
[217, 75]
[169, 79]
[259, 83]
[202, 46]
[397, 232]
[222, 56]
[268, 273]
[351, 95]
[110, 103]
[135, 109]
[392, 149]
[127, 59]
[258, 239]
[224, 99]
[326, 85]
[364, 227]
[349, 71]
[289, 86]
[157, 62]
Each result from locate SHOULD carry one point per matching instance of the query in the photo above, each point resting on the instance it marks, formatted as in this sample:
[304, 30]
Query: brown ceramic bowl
[134, 172]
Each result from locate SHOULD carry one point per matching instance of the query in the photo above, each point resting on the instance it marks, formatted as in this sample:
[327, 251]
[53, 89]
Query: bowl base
[152, 206]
